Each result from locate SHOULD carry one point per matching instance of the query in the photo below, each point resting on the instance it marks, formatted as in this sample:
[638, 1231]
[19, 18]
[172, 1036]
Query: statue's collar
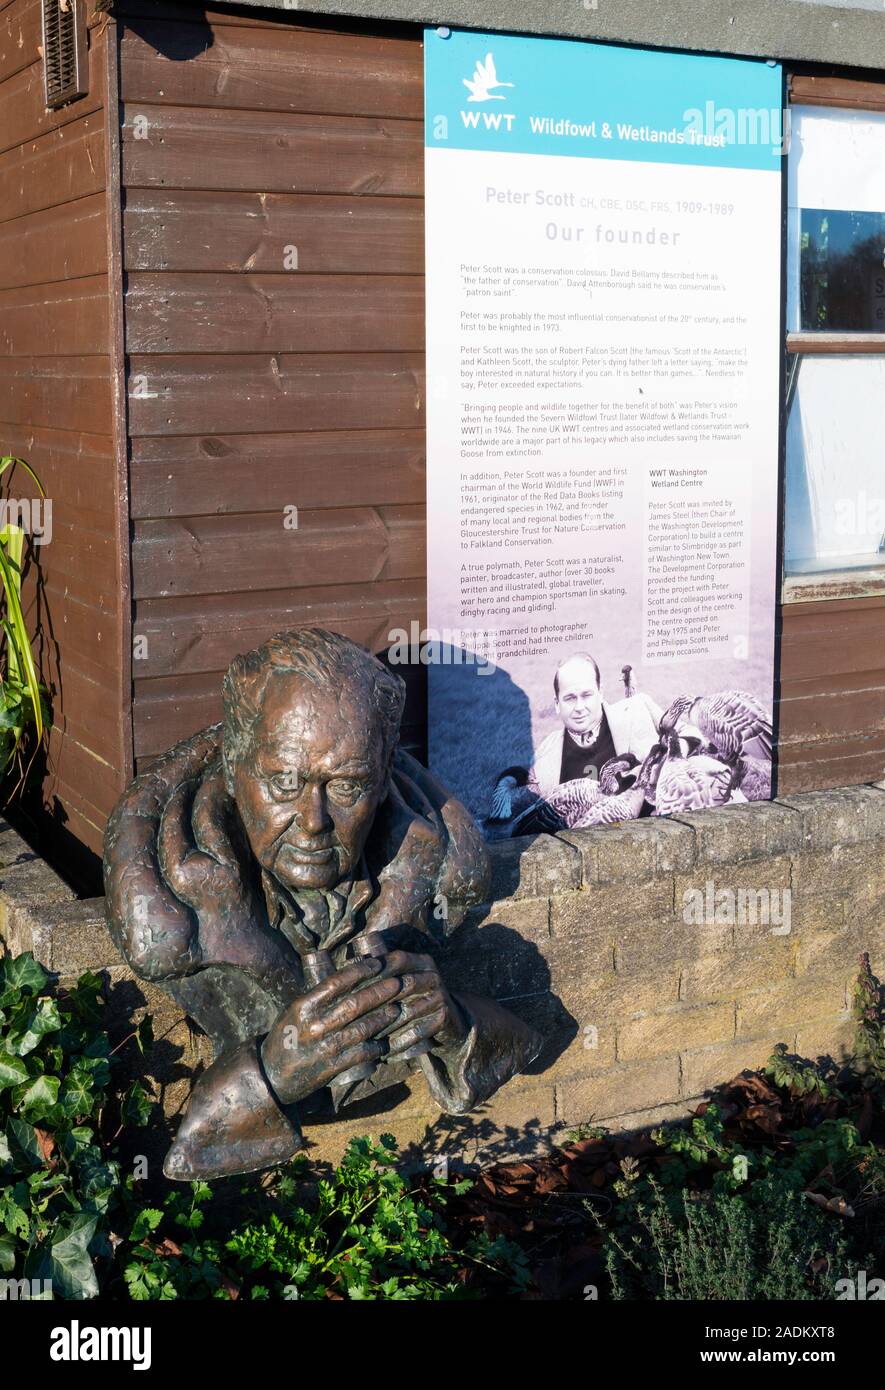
[313, 920]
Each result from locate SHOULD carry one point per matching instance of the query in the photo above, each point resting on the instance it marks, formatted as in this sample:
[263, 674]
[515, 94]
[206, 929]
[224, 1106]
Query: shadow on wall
[447, 685]
[171, 1065]
[494, 961]
[179, 41]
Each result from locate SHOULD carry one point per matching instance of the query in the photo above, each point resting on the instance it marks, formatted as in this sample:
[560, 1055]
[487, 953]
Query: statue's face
[311, 782]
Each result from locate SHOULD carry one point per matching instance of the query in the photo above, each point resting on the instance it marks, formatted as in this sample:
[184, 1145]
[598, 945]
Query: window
[835, 473]
[65, 68]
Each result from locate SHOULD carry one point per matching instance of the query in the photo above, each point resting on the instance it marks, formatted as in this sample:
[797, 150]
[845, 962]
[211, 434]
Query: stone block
[781, 1011]
[848, 871]
[844, 816]
[606, 911]
[572, 918]
[533, 866]
[658, 1115]
[27, 887]
[529, 917]
[643, 946]
[757, 830]
[593, 1006]
[754, 899]
[634, 851]
[70, 937]
[623, 1090]
[705, 1068]
[499, 950]
[517, 1122]
[676, 845]
[732, 974]
[680, 1027]
[833, 1037]
[829, 953]
[815, 912]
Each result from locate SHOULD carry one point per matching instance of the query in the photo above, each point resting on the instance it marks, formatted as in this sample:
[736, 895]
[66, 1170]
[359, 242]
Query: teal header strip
[563, 97]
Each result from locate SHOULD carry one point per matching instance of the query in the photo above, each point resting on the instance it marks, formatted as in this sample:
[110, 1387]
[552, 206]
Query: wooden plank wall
[832, 708]
[255, 388]
[264, 388]
[56, 411]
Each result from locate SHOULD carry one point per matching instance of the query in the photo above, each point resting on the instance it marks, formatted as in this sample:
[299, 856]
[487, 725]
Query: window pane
[835, 484]
[842, 271]
[836, 221]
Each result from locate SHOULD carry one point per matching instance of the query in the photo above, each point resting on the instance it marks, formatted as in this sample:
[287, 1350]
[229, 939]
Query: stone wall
[599, 938]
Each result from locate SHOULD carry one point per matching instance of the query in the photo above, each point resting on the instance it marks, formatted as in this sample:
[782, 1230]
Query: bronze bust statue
[271, 874]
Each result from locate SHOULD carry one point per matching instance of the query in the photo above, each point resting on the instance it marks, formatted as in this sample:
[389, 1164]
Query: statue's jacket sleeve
[234, 981]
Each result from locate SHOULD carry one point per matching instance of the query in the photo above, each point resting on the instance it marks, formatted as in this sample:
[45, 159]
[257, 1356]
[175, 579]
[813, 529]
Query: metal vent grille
[64, 51]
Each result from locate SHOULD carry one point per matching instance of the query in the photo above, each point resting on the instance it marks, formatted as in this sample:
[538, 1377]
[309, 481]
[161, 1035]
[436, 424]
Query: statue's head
[311, 723]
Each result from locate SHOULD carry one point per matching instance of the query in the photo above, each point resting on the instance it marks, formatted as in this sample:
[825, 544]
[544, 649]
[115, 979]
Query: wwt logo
[484, 79]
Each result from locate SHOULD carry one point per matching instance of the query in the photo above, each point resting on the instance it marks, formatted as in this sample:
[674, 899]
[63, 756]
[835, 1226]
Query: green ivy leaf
[37, 1099]
[7, 1254]
[144, 1033]
[77, 1097]
[22, 1038]
[136, 1105]
[65, 1258]
[23, 1142]
[12, 1071]
[22, 973]
[12, 1213]
[97, 1177]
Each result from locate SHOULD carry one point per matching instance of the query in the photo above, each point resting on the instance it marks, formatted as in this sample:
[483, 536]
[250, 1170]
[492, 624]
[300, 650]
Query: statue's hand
[203, 853]
[426, 1009]
[328, 1030]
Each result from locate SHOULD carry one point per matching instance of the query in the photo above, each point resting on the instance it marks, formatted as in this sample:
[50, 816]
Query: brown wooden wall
[263, 388]
[832, 708]
[267, 388]
[57, 411]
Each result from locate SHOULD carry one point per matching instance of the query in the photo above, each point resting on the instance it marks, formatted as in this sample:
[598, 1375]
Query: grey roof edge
[795, 30]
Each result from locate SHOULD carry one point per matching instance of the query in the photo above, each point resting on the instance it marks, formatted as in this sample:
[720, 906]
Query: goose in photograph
[511, 795]
[564, 809]
[753, 778]
[728, 721]
[689, 780]
[619, 794]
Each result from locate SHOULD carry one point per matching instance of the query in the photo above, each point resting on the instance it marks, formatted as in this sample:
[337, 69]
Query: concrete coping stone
[637, 851]
[39, 912]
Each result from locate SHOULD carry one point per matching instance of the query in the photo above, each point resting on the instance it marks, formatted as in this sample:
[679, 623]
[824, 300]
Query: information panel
[603, 320]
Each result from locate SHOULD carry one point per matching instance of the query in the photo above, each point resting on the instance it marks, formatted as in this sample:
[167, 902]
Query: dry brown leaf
[46, 1144]
[837, 1205]
[168, 1247]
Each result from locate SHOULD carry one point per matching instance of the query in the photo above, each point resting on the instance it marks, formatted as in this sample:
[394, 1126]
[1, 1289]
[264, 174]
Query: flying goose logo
[483, 80]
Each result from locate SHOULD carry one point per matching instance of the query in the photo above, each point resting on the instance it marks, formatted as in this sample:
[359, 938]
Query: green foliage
[775, 1193]
[779, 1206]
[867, 1007]
[583, 1132]
[68, 1213]
[792, 1074]
[56, 1181]
[369, 1235]
[718, 1217]
[22, 697]
[716, 1246]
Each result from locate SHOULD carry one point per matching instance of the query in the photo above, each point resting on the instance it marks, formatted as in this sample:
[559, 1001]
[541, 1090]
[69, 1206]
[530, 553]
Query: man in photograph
[592, 730]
